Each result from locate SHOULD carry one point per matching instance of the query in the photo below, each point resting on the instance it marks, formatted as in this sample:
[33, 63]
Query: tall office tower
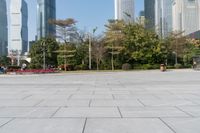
[163, 17]
[46, 10]
[149, 12]
[3, 29]
[19, 26]
[142, 18]
[124, 10]
[186, 16]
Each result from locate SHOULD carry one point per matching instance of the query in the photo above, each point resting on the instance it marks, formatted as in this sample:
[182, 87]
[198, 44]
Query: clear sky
[88, 13]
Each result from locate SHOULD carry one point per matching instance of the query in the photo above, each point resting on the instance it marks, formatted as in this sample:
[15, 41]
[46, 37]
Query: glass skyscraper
[149, 12]
[18, 26]
[3, 29]
[163, 17]
[46, 10]
[124, 10]
[186, 16]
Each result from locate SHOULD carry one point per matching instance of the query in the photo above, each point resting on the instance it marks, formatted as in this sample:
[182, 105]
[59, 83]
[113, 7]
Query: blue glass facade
[149, 12]
[3, 28]
[46, 10]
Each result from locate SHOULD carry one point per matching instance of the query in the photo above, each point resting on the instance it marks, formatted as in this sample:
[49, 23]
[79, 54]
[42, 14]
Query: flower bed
[35, 71]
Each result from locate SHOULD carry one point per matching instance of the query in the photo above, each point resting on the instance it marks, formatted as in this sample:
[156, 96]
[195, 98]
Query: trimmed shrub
[126, 66]
[81, 67]
[178, 66]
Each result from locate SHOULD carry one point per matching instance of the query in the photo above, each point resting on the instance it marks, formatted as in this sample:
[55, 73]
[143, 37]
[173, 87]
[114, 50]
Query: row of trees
[123, 45]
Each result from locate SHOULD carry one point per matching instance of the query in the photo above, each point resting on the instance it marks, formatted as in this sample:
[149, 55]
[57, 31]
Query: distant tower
[46, 10]
[3, 29]
[19, 26]
[149, 12]
[186, 16]
[163, 17]
[124, 10]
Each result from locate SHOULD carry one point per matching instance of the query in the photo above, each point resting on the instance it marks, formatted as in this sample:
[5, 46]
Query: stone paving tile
[45, 96]
[29, 112]
[184, 125]
[79, 96]
[126, 92]
[115, 103]
[44, 126]
[151, 112]
[126, 126]
[193, 110]
[87, 112]
[145, 96]
[4, 121]
[169, 102]
[64, 103]
[18, 103]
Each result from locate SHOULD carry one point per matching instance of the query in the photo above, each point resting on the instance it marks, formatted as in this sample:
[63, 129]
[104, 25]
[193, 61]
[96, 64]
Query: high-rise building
[186, 16]
[46, 10]
[124, 10]
[3, 29]
[18, 26]
[142, 18]
[163, 17]
[149, 12]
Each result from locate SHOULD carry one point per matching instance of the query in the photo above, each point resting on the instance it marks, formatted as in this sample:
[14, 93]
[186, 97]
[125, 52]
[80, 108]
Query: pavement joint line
[184, 112]
[84, 126]
[69, 98]
[120, 112]
[55, 112]
[26, 97]
[38, 103]
[167, 125]
[141, 102]
[90, 102]
[7, 122]
[113, 97]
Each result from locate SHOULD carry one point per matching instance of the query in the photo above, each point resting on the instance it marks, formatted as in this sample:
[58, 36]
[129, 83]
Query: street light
[44, 54]
[90, 47]
[176, 58]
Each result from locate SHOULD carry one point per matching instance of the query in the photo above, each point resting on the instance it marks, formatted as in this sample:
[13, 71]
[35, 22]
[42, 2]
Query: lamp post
[90, 47]
[176, 58]
[18, 57]
[44, 54]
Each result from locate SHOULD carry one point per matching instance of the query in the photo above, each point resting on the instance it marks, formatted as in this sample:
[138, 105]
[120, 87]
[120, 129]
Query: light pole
[18, 57]
[176, 58]
[90, 47]
[44, 55]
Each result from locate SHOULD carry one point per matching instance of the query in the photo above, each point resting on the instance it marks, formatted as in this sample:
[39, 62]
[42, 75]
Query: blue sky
[88, 13]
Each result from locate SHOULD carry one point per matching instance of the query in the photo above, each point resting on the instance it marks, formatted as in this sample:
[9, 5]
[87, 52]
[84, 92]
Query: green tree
[47, 45]
[114, 37]
[65, 31]
[142, 46]
[5, 61]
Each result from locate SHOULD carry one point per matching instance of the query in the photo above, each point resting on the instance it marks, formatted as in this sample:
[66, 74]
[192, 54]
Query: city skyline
[3, 28]
[186, 16]
[46, 10]
[125, 10]
[18, 27]
[80, 11]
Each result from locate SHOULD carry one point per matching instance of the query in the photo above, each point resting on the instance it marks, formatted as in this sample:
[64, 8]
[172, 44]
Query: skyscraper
[149, 12]
[19, 26]
[163, 17]
[186, 16]
[3, 28]
[124, 10]
[46, 10]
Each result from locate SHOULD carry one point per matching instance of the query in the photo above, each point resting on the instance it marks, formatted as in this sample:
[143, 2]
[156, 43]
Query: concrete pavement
[105, 102]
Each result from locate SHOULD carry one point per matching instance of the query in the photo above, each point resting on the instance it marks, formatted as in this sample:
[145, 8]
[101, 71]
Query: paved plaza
[104, 102]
